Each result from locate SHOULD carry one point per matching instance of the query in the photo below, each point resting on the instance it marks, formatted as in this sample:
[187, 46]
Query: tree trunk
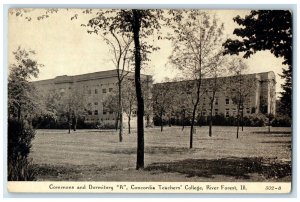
[210, 120]
[69, 127]
[129, 127]
[183, 120]
[269, 128]
[75, 123]
[161, 121]
[148, 121]
[69, 122]
[120, 113]
[117, 121]
[238, 122]
[200, 119]
[242, 119]
[169, 121]
[192, 128]
[136, 25]
[194, 111]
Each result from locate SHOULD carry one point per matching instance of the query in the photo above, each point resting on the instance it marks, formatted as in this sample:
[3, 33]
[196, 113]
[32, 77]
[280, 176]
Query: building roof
[84, 77]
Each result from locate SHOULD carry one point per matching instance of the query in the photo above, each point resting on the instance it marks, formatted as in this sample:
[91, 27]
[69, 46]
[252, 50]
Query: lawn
[94, 155]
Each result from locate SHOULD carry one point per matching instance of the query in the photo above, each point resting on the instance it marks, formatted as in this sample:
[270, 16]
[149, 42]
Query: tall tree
[129, 100]
[238, 88]
[197, 46]
[21, 93]
[22, 104]
[267, 30]
[214, 85]
[162, 100]
[120, 43]
[139, 24]
[72, 104]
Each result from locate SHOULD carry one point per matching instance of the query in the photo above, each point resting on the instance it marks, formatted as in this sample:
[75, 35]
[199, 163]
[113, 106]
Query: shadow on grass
[240, 168]
[154, 150]
[68, 172]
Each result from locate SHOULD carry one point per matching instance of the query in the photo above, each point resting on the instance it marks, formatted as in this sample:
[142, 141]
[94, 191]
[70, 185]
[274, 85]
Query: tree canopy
[263, 30]
[267, 30]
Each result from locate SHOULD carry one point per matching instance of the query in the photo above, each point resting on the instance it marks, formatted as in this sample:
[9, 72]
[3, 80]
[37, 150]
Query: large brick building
[96, 86]
[258, 91]
[94, 89]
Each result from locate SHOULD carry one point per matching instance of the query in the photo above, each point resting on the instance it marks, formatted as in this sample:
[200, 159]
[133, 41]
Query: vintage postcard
[149, 101]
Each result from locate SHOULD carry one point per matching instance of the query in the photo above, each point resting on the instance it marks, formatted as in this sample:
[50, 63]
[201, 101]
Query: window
[104, 112]
[111, 112]
[217, 101]
[216, 111]
[96, 91]
[96, 103]
[96, 112]
[227, 113]
[227, 101]
[110, 89]
[89, 91]
[103, 90]
[90, 112]
[248, 110]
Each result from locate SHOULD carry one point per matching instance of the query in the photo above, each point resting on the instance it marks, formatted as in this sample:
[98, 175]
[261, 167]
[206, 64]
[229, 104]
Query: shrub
[255, 120]
[282, 121]
[20, 135]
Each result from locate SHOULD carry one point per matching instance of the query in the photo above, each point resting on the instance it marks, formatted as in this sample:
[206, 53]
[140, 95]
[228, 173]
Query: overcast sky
[65, 47]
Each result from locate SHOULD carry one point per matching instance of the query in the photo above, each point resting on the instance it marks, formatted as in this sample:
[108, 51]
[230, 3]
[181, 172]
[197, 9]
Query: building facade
[255, 93]
[93, 88]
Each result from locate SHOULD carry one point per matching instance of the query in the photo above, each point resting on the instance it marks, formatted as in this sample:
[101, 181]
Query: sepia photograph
[149, 100]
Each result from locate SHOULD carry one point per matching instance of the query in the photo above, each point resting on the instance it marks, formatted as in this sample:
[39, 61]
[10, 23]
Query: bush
[20, 135]
[103, 125]
[281, 121]
[255, 120]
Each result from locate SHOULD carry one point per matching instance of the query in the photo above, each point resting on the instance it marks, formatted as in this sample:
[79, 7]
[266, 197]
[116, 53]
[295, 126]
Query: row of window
[227, 101]
[234, 111]
[104, 90]
[96, 112]
[96, 119]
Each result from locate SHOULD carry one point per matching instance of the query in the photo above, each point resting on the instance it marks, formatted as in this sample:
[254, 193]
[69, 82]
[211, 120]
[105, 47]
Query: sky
[65, 47]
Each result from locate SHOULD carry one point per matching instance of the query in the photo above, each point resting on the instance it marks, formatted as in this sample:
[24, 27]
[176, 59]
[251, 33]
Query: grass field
[93, 155]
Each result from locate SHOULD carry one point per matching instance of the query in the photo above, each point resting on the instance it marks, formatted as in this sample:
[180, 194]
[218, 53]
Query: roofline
[212, 77]
[72, 76]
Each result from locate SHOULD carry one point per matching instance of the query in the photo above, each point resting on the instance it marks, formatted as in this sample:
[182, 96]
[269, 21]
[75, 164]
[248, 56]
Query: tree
[162, 100]
[182, 102]
[197, 47]
[140, 24]
[21, 106]
[129, 100]
[111, 104]
[267, 30]
[72, 104]
[238, 88]
[21, 93]
[214, 85]
[119, 43]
